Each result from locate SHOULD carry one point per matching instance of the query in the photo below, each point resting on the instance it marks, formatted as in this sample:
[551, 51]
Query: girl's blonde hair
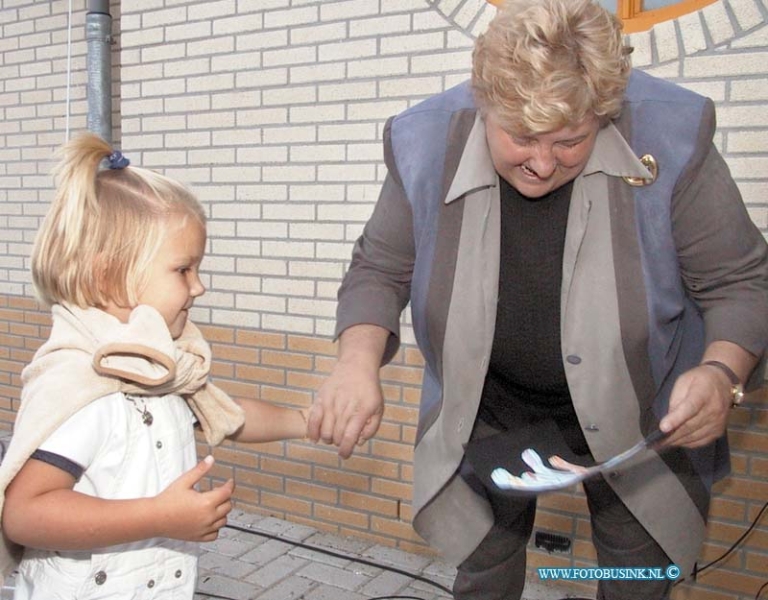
[546, 64]
[104, 227]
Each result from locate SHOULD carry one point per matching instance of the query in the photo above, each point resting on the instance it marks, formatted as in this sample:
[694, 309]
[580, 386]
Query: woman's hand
[349, 405]
[702, 397]
[347, 409]
[698, 408]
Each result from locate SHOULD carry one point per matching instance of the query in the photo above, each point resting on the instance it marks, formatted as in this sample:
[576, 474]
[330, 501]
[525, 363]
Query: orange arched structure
[636, 19]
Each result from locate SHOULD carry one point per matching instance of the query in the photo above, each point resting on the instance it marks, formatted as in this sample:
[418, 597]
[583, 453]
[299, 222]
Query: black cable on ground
[426, 580]
[396, 598]
[735, 545]
[375, 598]
[211, 595]
[760, 591]
[335, 554]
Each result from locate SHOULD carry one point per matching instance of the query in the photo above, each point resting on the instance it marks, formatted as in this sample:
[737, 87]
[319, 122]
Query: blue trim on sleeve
[60, 462]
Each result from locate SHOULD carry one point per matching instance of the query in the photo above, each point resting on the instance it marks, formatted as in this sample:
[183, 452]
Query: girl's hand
[43, 511]
[187, 514]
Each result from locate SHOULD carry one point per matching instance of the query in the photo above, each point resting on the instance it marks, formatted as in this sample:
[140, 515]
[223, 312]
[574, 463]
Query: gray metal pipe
[98, 36]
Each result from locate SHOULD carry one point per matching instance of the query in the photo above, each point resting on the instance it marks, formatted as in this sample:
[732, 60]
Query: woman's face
[538, 164]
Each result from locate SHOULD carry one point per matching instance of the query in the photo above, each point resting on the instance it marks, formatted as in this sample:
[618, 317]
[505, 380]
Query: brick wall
[273, 111]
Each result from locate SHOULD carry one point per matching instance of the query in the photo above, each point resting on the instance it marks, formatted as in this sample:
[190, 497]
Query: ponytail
[104, 226]
[59, 253]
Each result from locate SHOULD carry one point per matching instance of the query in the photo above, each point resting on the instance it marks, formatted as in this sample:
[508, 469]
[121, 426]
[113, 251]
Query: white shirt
[123, 458]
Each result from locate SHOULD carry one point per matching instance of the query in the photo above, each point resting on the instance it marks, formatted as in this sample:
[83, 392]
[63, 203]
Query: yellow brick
[412, 395]
[235, 353]
[24, 302]
[342, 479]
[259, 339]
[320, 493]
[409, 434]
[286, 359]
[414, 357]
[553, 522]
[741, 487]
[395, 528]
[748, 441]
[312, 345]
[392, 489]
[401, 374]
[12, 366]
[365, 502]
[308, 381]
[282, 502]
[723, 508]
[391, 393]
[38, 318]
[388, 431]
[258, 480]
[13, 316]
[317, 455]
[213, 334]
[324, 364]
[731, 581]
[284, 467]
[22, 356]
[759, 468]
[692, 591]
[372, 466]
[260, 374]
[403, 452]
[418, 548]
[341, 516]
[566, 502]
[364, 535]
[245, 494]
[223, 370]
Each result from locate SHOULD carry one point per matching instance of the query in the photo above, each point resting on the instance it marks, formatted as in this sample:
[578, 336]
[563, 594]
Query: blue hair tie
[117, 160]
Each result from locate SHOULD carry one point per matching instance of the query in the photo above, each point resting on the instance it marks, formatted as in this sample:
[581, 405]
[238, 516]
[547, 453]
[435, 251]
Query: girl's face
[538, 164]
[173, 281]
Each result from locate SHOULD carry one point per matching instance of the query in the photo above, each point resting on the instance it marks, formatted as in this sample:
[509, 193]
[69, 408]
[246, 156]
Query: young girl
[100, 476]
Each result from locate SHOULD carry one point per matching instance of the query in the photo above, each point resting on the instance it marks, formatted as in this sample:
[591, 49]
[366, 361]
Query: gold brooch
[649, 163]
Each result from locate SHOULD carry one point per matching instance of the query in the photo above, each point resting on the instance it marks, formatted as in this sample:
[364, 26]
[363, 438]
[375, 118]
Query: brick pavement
[263, 558]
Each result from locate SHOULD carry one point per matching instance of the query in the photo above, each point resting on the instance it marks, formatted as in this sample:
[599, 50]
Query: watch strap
[737, 388]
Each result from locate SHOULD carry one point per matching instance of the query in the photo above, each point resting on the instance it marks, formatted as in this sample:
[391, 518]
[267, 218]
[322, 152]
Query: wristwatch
[737, 388]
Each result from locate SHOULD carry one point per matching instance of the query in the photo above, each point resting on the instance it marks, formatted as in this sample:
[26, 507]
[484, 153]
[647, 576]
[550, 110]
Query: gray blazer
[650, 276]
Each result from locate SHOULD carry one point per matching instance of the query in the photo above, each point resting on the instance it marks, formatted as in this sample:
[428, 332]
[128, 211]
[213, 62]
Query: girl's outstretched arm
[266, 422]
[43, 511]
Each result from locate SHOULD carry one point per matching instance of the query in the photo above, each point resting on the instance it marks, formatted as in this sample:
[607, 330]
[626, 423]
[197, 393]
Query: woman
[554, 275]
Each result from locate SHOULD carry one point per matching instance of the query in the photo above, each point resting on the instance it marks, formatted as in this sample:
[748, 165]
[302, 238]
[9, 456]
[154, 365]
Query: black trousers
[496, 569]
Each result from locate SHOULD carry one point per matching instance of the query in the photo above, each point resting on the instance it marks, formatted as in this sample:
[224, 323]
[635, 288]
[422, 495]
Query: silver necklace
[146, 416]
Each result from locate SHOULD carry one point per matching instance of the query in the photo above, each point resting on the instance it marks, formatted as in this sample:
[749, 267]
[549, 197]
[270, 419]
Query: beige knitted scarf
[90, 354]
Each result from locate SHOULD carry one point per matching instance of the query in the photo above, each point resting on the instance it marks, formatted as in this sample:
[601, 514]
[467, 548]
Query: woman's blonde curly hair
[546, 64]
